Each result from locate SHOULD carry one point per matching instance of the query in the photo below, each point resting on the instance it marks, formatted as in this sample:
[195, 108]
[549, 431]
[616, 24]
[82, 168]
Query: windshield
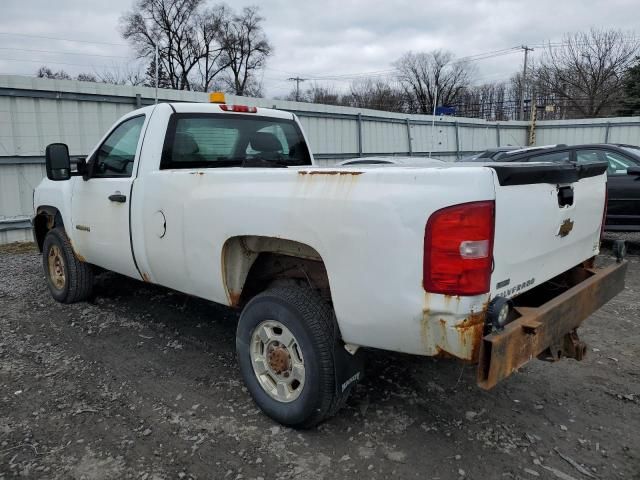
[225, 140]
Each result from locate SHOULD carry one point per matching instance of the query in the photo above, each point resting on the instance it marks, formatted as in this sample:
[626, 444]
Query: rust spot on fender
[234, 298]
[459, 339]
[470, 332]
[145, 278]
[196, 173]
[328, 172]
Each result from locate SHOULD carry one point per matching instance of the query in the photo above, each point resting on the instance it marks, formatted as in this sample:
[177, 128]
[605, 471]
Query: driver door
[100, 205]
[623, 206]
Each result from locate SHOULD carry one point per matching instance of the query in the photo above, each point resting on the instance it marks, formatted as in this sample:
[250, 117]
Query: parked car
[623, 184]
[404, 161]
[490, 153]
[498, 152]
[226, 203]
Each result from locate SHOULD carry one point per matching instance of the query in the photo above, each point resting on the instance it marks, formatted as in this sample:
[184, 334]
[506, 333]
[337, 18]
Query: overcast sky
[315, 39]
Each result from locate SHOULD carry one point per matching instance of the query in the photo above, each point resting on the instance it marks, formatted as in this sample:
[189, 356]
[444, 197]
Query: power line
[379, 73]
[44, 62]
[66, 53]
[62, 39]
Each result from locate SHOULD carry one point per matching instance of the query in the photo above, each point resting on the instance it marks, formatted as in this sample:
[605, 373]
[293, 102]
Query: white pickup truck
[491, 264]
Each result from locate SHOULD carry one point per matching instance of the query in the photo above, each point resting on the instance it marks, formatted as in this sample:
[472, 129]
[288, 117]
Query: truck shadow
[390, 378]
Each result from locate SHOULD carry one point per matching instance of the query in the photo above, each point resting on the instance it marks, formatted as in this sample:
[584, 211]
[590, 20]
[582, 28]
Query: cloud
[313, 39]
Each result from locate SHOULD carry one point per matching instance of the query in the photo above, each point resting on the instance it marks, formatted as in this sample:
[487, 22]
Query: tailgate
[548, 220]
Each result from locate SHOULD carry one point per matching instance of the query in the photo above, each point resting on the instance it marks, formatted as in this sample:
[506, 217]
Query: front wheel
[285, 346]
[69, 279]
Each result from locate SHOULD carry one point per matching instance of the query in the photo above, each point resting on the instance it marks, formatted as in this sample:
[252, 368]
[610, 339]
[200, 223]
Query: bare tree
[631, 100]
[210, 26]
[200, 46]
[115, 76]
[377, 95]
[122, 75]
[46, 72]
[422, 73]
[172, 26]
[586, 71]
[245, 50]
[324, 95]
[87, 77]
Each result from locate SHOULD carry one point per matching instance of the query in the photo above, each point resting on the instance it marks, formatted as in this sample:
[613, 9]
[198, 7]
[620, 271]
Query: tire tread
[79, 273]
[319, 319]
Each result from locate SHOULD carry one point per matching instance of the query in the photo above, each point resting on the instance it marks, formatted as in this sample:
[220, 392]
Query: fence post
[497, 134]
[457, 140]
[606, 132]
[138, 100]
[409, 137]
[359, 134]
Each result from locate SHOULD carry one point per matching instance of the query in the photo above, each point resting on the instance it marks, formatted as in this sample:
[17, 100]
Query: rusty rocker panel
[551, 325]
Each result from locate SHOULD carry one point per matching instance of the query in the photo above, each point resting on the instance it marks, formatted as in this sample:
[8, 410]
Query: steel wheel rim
[56, 267]
[277, 361]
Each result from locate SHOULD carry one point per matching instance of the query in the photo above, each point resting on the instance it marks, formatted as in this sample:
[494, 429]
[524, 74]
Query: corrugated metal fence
[36, 112]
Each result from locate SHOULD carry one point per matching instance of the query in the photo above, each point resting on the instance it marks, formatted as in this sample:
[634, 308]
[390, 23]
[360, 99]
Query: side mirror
[58, 162]
[633, 170]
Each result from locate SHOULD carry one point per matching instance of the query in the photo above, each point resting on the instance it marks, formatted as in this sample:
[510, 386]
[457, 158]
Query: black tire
[78, 276]
[312, 322]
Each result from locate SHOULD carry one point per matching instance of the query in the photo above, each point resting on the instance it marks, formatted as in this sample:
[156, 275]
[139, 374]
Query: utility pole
[157, 73]
[297, 80]
[433, 121]
[524, 80]
[534, 119]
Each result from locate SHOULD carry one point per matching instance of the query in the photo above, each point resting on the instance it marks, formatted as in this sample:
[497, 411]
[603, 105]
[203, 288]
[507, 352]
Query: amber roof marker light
[217, 97]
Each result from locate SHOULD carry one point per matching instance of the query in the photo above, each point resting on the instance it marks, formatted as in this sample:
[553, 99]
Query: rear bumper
[550, 325]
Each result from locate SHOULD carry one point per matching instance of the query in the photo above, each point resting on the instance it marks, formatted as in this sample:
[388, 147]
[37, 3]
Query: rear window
[210, 140]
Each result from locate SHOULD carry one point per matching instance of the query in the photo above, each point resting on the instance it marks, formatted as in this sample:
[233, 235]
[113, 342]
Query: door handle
[118, 197]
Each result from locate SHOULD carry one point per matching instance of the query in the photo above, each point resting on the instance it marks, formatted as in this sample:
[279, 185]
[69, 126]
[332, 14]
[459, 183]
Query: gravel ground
[142, 383]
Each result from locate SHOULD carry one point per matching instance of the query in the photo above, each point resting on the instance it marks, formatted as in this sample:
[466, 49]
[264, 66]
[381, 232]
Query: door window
[551, 157]
[117, 153]
[617, 163]
[588, 156]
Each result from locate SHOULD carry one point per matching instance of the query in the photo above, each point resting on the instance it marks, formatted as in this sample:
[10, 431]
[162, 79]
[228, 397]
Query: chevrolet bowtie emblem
[565, 228]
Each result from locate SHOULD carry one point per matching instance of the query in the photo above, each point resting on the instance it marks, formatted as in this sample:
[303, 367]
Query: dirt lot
[143, 383]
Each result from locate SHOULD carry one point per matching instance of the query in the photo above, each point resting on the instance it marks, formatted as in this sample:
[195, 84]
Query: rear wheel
[285, 345]
[69, 279]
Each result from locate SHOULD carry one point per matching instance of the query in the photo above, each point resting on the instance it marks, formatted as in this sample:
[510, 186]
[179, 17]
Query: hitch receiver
[549, 330]
[570, 347]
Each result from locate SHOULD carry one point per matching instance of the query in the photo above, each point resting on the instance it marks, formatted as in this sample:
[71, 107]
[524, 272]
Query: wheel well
[251, 263]
[46, 218]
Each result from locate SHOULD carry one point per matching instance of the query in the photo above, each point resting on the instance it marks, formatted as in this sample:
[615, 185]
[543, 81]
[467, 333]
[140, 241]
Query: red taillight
[458, 249]
[239, 108]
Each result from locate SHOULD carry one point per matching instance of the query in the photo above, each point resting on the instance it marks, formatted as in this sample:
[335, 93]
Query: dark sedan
[623, 184]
